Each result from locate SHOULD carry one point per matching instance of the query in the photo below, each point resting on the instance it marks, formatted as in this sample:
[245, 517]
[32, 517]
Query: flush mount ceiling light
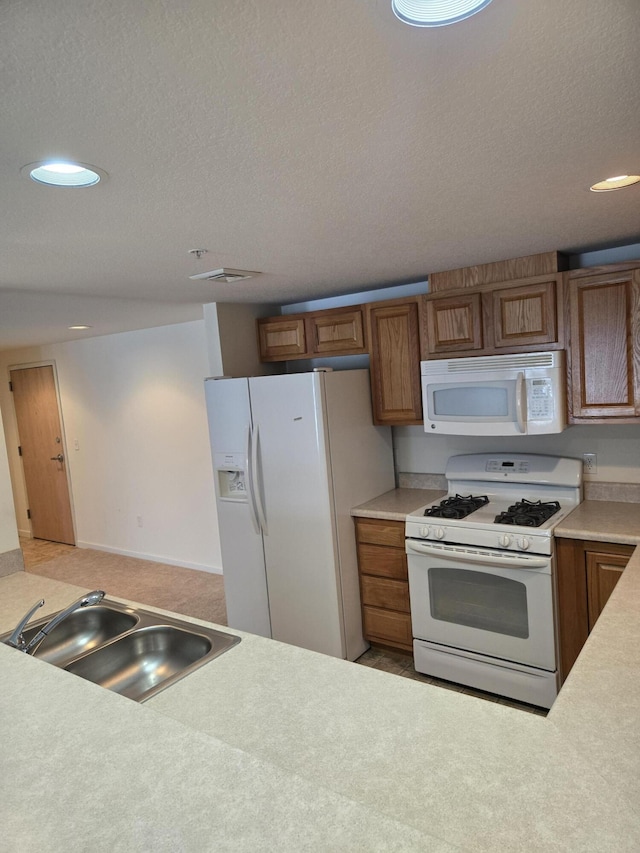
[225, 274]
[616, 183]
[59, 173]
[436, 13]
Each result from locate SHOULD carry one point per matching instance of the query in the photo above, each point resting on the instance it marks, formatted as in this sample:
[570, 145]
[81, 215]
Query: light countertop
[397, 504]
[603, 521]
[271, 747]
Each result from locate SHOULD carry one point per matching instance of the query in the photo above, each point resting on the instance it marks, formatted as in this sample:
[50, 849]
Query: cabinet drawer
[383, 561]
[390, 533]
[385, 593]
[387, 626]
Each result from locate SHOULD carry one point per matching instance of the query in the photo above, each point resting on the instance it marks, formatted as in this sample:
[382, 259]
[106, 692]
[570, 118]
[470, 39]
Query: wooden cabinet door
[338, 332]
[280, 338]
[394, 347]
[605, 346]
[603, 573]
[586, 574]
[525, 315]
[454, 323]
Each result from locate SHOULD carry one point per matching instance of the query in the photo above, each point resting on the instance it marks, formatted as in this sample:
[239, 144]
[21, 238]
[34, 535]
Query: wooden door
[394, 347]
[336, 332]
[44, 465]
[281, 338]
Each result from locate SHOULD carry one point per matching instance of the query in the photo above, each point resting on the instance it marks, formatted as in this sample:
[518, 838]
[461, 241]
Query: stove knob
[524, 544]
[504, 540]
[439, 533]
[425, 532]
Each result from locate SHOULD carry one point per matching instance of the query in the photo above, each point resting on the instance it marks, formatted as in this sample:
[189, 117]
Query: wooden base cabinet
[587, 573]
[384, 583]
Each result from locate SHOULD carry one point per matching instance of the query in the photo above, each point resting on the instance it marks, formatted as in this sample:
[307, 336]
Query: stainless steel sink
[129, 650]
[82, 631]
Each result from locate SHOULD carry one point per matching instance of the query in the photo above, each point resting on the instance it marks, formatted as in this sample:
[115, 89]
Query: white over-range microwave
[519, 394]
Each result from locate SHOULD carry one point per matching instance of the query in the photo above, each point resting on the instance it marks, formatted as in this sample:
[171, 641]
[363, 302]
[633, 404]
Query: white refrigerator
[292, 454]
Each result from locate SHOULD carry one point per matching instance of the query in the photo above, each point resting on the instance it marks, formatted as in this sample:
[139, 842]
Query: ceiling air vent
[225, 274]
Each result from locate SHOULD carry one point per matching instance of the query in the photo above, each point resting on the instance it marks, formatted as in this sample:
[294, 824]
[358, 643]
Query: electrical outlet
[139, 520]
[590, 463]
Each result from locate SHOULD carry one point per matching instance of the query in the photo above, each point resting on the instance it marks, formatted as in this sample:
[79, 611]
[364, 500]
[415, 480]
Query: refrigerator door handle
[255, 476]
[250, 486]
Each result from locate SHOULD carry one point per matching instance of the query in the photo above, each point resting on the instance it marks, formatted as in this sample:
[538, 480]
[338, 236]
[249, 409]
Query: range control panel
[508, 466]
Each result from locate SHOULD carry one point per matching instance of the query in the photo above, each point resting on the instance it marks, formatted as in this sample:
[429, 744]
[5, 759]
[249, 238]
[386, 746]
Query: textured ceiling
[326, 144]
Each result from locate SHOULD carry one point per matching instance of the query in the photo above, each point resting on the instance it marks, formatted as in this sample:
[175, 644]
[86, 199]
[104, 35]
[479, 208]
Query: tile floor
[152, 579]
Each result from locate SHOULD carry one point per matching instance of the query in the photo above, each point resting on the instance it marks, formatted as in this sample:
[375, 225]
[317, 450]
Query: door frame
[16, 471]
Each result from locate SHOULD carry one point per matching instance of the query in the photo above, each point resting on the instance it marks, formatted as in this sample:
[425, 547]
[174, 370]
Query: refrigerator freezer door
[294, 484]
[245, 585]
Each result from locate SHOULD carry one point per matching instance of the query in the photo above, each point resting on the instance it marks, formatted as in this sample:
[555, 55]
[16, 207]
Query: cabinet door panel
[381, 532]
[605, 346]
[387, 627]
[385, 593]
[454, 323]
[525, 315]
[382, 561]
[395, 362]
[603, 573]
[281, 338]
[336, 333]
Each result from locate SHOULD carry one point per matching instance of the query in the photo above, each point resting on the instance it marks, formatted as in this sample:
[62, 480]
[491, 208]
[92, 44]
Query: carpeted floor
[185, 591]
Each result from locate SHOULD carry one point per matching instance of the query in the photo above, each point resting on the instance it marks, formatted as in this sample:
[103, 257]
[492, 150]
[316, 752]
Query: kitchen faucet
[17, 640]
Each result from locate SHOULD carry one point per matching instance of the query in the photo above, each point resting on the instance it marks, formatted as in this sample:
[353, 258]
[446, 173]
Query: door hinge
[28, 513]
[19, 451]
[10, 386]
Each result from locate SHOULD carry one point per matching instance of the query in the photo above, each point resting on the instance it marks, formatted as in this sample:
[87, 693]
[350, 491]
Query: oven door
[496, 603]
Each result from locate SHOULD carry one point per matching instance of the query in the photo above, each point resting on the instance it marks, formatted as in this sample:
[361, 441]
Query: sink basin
[82, 631]
[130, 650]
[143, 660]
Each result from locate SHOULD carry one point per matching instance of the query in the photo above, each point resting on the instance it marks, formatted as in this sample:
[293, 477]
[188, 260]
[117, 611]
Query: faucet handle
[16, 639]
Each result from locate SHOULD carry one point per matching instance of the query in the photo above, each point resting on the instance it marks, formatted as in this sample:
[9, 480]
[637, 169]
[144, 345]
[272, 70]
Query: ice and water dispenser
[230, 469]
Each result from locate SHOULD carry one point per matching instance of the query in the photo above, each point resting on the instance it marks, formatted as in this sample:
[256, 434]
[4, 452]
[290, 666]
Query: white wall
[617, 447]
[134, 403]
[8, 529]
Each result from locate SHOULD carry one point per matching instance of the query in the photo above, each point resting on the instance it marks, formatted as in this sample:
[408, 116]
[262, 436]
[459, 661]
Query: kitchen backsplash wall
[617, 448]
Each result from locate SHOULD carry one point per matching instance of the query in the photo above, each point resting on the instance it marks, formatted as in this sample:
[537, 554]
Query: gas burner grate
[459, 506]
[528, 513]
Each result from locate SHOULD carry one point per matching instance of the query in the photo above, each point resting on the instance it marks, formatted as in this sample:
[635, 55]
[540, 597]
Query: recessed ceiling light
[59, 173]
[436, 13]
[616, 183]
[79, 327]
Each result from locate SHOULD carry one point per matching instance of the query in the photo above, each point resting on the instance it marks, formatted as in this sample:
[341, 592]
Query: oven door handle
[474, 555]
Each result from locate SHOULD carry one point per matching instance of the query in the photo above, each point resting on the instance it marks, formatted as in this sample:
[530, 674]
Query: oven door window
[479, 600]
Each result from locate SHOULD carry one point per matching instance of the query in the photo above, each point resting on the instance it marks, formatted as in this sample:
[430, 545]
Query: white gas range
[481, 573]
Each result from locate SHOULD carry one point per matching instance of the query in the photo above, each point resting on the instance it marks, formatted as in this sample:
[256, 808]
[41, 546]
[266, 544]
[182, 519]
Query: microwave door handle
[521, 402]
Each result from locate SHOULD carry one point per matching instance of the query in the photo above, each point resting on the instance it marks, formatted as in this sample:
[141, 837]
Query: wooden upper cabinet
[454, 323]
[605, 346]
[521, 316]
[336, 332]
[394, 348]
[280, 338]
[525, 315]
